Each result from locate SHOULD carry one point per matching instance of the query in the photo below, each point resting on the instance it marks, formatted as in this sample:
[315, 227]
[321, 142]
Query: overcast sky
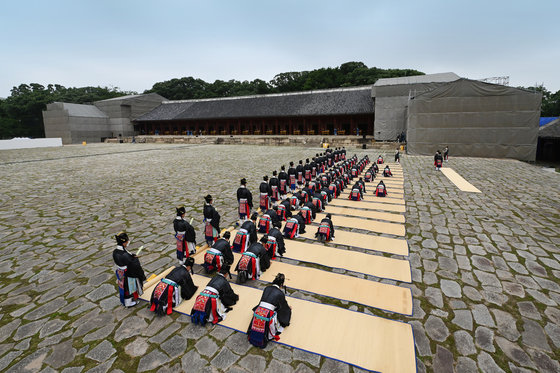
[134, 44]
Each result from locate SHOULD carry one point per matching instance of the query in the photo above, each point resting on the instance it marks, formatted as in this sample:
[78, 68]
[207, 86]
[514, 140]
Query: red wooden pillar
[276, 130]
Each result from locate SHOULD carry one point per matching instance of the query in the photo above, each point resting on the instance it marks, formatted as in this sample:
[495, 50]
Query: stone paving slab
[485, 266]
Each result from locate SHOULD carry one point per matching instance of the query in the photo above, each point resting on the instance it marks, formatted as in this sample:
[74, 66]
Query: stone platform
[485, 266]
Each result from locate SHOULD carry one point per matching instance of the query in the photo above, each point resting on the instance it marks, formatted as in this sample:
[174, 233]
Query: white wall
[22, 142]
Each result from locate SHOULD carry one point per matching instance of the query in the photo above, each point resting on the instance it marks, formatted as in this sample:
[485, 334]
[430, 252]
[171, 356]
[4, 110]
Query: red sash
[180, 241]
[243, 207]
[264, 201]
[240, 241]
[275, 192]
[292, 179]
[283, 186]
[307, 175]
[300, 177]
[264, 224]
[290, 228]
[306, 213]
[281, 212]
[244, 264]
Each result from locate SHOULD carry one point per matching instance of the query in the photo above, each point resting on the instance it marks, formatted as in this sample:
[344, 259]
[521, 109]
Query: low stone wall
[309, 141]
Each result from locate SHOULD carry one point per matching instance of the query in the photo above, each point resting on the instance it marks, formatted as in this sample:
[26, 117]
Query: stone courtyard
[485, 266]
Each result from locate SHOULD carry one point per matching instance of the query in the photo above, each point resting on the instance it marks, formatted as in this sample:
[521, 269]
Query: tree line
[21, 112]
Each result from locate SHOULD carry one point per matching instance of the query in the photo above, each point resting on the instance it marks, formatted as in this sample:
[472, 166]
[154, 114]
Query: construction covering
[475, 119]
[391, 100]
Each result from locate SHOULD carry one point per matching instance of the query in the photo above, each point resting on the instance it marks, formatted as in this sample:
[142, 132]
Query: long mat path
[396, 246]
[369, 225]
[370, 293]
[392, 197]
[340, 202]
[369, 214]
[374, 265]
[388, 346]
[459, 181]
[355, 261]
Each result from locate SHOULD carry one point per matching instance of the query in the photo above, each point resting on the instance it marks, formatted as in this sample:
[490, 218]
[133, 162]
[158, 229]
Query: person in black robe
[299, 172]
[284, 182]
[284, 210]
[397, 156]
[271, 315]
[292, 175]
[318, 202]
[176, 286]
[184, 235]
[245, 201]
[265, 194]
[253, 262]
[438, 160]
[277, 234]
[312, 208]
[212, 220]
[274, 184]
[307, 170]
[446, 153]
[381, 189]
[325, 232]
[387, 172]
[246, 235]
[218, 255]
[273, 213]
[313, 165]
[217, 298]
[130, 275]
[301, 223]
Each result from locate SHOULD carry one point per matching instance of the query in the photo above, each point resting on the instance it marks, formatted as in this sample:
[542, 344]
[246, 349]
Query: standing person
[307, 170]
[185, 236]
[271, 315]
[299, 171]
[265, 194]
[172, 289]
[397, 156]
[438, 160]
[215, 300]
[274, 184]
[245, 200]
[292, 174]
[212, 220]
[284, 181]
[218, 255]
[446, 153]
[130, 275]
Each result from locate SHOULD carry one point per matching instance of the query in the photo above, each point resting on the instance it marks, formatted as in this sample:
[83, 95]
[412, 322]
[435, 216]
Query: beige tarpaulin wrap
[366, 205]
[458, 180]
[369, 225]
[386, 346]
[374, 265]
[369, 214]
[388, 245]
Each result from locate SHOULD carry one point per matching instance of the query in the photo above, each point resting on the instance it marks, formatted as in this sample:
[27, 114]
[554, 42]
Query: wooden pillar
[276, 129]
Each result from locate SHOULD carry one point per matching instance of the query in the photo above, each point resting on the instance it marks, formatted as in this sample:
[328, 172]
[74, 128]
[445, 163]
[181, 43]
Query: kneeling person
[325, 232]
[215, 300]
[253, 262]
[270, 316]
[172, 289]
[218, 255]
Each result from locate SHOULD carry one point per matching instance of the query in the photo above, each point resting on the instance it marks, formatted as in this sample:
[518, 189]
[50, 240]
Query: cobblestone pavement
[485, 266]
